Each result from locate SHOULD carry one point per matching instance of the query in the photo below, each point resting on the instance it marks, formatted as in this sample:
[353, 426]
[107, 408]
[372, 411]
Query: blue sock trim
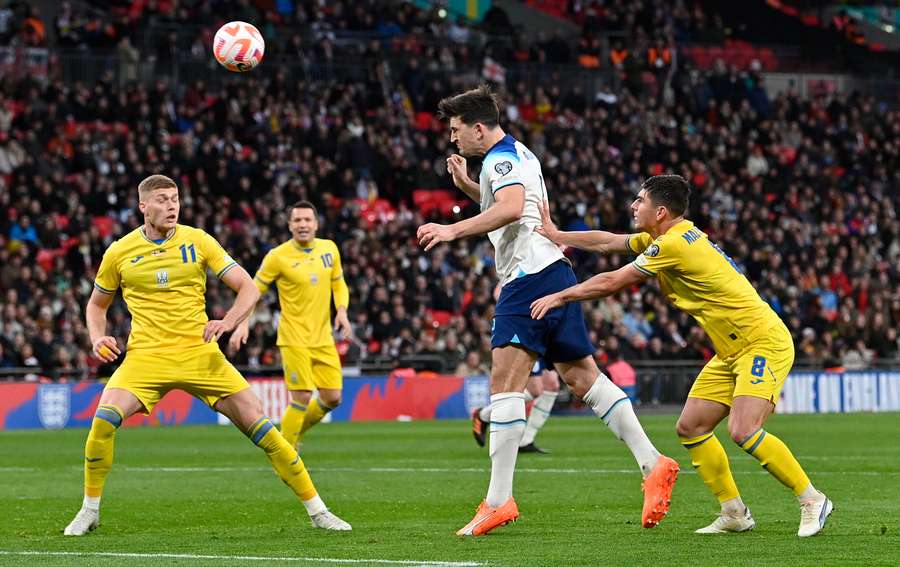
[612, 407]
[698, 443]
[261, 432]
[755, 445]
[497, 425]
[106, 413]
[749, 437]
[298, 406]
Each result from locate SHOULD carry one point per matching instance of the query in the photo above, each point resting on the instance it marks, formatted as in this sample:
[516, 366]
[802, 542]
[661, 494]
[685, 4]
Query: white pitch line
[239, 558]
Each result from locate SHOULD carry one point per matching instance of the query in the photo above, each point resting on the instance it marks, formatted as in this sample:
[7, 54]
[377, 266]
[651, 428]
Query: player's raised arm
[594, 240]
[509, 206]
[458, 170]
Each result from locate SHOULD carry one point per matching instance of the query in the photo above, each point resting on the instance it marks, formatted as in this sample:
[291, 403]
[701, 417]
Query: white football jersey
[519, 249]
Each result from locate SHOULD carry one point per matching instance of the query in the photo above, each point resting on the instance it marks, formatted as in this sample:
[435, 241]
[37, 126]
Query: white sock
[612, 405]
[734, 507]
[507, 426]
[810, 494]
[92, 502]
[314, 505]
[485, 413]
[540, 411]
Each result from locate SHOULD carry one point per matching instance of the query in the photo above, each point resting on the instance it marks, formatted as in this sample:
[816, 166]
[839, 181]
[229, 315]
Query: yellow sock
[98, 451]
[292, 421]
[284, 458]
[711, 462]
[776, 458]
[314, 415]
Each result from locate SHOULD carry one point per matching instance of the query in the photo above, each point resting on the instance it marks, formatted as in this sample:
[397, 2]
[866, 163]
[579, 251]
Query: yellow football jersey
[699, 278]
[306, 279]
[164, 284]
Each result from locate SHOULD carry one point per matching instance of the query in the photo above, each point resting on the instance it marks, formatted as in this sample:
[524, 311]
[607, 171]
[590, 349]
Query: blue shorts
[561, 336]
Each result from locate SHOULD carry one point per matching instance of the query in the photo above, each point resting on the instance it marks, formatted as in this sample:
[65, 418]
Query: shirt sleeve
[339, 289]
[108, 277]
[217, 259]
[503, 170]
[267, 273]
[636, 243]
[660, 255]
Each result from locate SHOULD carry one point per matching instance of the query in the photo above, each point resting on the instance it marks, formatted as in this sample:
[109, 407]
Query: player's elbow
[251, 290]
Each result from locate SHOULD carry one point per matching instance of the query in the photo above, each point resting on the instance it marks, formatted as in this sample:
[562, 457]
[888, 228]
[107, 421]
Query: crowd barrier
[54, 406]
[59, 405]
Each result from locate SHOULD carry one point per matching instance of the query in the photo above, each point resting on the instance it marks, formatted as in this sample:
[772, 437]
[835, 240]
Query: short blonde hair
[153, 183]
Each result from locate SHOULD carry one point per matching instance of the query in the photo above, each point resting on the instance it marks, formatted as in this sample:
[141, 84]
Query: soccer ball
[238, 46]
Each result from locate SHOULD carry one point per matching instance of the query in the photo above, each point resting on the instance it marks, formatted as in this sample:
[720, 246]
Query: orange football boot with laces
[487, 518]
[657, 489]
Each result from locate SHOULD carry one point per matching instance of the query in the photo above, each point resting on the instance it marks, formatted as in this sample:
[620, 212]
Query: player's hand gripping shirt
[519, 249]
[306, 279]
[699, 278]
[163, 284]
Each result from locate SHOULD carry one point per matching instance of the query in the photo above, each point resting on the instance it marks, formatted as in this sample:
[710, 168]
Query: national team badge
[652, 251]
[162, 278]
[54, 404]
[503, 167]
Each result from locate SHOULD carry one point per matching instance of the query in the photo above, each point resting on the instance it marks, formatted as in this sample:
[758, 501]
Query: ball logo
[503, 167]
[54, 405]
[652, 251]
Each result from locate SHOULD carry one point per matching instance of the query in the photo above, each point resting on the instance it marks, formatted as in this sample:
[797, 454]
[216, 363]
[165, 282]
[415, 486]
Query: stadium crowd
[802, 193]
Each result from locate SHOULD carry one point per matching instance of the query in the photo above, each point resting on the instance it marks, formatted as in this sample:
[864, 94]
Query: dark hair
[669, 191]
[477, 105]
[305, 205]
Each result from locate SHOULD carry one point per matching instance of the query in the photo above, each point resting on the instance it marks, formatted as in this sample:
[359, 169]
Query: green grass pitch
[190, 492]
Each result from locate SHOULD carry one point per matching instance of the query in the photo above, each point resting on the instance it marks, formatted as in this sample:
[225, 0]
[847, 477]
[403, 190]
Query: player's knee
[687, 428]
[331, 400]
[301, 396]
[551, 382]
[740, 430]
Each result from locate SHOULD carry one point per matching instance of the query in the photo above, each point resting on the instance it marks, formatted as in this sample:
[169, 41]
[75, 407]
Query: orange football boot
[479, 427]
[487, 518]
[657, 489]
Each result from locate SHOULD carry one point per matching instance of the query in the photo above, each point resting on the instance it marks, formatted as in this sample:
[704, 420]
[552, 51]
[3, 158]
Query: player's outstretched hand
[106, 349]
[547, 229]
[432, 234]
[456, 167]
[215, 329]
[239, 337]
[543, 305]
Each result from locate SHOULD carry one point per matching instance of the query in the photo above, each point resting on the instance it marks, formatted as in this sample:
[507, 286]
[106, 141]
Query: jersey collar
[506, 140]
[297, 245]
[154, 242]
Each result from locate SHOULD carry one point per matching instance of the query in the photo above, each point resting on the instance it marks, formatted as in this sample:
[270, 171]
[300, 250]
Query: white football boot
[327, 520]
[813, 514]
[730, 524]
[86, 519]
